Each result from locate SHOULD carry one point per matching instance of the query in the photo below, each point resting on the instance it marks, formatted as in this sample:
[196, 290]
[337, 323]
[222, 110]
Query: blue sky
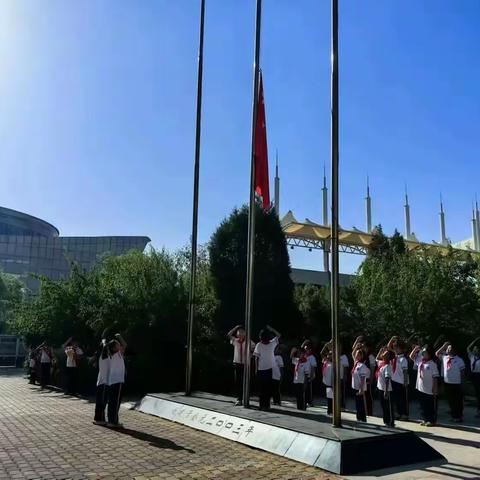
[97, 111]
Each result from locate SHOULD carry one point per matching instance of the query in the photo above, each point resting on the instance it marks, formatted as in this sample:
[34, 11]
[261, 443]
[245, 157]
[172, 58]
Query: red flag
[262, 189]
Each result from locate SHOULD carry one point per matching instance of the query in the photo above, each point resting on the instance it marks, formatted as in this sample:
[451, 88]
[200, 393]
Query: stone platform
[307, 437]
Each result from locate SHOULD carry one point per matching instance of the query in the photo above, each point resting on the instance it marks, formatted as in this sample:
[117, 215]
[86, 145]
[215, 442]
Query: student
[312, 361]
[31, 367]
[473, 351]
[101, 397]
[300, 376]
[360, 373]
[371, 363]
[327, 379]
[399, 377]
[453, 376]
[240, 356]
[277, 375]
[116, 379]
[264, 354]
[384, 384]
[46, 357]
[73, 353]
[427, 382]
[344, 370]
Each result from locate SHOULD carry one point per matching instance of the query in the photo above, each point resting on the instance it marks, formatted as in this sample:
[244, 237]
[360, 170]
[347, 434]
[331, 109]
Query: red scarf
[355, 365]
[449, 362]
[422, 366]
[381, 364]
[394, 364]
[242, 348]
[325, 366]
[265, 342]
[302, 359]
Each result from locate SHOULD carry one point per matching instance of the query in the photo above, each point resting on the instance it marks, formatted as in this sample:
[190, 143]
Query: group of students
[110, 380]
[386, 375]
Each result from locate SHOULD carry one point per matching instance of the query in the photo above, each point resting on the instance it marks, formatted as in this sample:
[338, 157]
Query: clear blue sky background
[97, 110]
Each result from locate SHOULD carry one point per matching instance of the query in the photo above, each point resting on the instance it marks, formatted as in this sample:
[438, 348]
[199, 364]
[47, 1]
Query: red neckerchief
[381, 364]
[354, 367]
[301, 359]
[242, 348]
[422, 366]
[265, 342]
[449, 362]
[394, 364]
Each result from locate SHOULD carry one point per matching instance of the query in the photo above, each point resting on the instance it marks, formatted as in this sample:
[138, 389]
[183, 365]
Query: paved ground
[46, 435]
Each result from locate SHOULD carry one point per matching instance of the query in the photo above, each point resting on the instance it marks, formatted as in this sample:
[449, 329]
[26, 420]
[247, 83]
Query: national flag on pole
[262, 189]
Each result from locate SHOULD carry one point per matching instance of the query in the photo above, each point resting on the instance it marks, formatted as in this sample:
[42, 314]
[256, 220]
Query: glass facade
[32, 246]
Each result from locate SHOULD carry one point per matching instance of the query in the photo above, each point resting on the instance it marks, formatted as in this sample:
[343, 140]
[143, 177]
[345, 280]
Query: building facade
[29, 245]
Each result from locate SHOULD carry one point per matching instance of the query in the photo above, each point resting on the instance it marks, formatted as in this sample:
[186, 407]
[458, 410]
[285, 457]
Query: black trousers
[45, 374]
[309, 392]
[329, 406]
[31, 375]
[454, 393]
[299, 389]
[114, 399]
[476, 385]
[400, 398]
[276, 391]
[101, 400]
[238, 369]
[427, 407]
[360, 406]
[265, 388]
[387, 409]
[71, 387]
[369, 399]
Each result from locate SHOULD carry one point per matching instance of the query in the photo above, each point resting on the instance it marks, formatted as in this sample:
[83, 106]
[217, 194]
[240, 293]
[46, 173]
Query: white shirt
[265, 354]
[70, 352]
[240, 350]
[474, 363]
[384, 372]
[277, 365]
[103, 370]
[327, 373]
[418, 359]
[301, 371]
[426, 372]
[44, 358]
[32, 363]
[401, 368]
[360, 371]
[116, 372]
[344, 363]
[312, 361]
[452, 369]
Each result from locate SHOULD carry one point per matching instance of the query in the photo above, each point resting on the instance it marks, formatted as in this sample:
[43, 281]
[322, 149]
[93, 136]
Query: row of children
[110, 380]
[387, 373]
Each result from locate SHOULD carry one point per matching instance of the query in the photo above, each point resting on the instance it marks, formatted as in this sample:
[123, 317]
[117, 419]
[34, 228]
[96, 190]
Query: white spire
[408, 233]
[477, 221]
[277, 187]
[443, 236]
[474, 230]
[368, 206]
[325, 198]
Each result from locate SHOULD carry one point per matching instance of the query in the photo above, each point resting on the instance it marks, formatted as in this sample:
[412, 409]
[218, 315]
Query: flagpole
[196, 177]
[337, 413]
[251, 213]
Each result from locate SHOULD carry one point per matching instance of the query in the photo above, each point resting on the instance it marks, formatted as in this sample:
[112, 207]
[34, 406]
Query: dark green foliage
[273, 301]
[11, 295]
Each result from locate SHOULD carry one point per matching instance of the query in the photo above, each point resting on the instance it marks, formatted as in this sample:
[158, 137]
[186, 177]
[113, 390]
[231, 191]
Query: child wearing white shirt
[360, 373]
[384, 384]
[116, 379]
[277, 374]
[300, 376]
[327, 379]
[399, 377]
[473, 351]
[103, 361]
[453, 376]
[427, 382]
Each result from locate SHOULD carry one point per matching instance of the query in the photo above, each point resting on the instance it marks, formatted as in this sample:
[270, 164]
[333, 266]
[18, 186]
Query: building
[29, 245]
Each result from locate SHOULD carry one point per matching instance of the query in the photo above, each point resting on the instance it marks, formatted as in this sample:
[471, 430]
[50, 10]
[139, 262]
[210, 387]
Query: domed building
[29, 245]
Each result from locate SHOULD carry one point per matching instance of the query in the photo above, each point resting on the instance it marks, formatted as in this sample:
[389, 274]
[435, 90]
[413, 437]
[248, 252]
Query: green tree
[273, 301]
[12, 292]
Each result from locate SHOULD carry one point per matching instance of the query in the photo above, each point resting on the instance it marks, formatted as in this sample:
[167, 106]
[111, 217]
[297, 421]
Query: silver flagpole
[251, 214]
[196, 177]
[337, 412]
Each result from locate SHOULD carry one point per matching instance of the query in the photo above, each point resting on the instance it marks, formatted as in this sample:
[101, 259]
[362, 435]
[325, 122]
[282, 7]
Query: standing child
[327, 379]
[103, 360]
[46, 357]
[312, 361]
[453, 376]
[474, 356]
[240, 355]
[384, 384]
[427, 382]
[300, 376]
[31, 368]
[399, 377]
[277, 375]
[264, 361]
[116, 379]
[73, 353]
[360, 373]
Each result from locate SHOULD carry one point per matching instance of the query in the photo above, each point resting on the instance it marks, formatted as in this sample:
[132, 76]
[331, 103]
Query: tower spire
[325, 198]
[368, 207]
[277, 187]
[408, 233]
[474, 229]
[443, 236]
